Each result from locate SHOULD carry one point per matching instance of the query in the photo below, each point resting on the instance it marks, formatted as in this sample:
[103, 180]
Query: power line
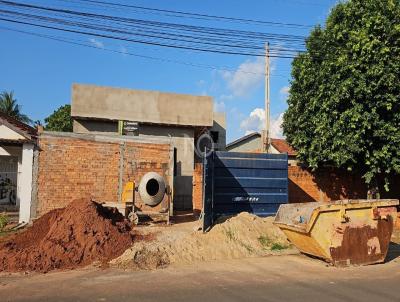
[82, 43]
[198, 29]
[138, 41]
[152, 34]
[195, 15]
[204, 39]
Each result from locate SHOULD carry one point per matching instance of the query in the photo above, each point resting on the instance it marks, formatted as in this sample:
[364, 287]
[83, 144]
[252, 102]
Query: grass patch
[278, 247]
[268, 244]
[265, 241]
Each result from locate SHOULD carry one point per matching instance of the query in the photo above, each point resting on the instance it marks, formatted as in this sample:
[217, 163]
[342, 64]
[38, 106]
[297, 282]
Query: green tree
[10, 106]
[60, 120]
[344, 100]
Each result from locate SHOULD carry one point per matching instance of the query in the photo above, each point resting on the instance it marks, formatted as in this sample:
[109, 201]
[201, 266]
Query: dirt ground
[277, 278]
[242, 236]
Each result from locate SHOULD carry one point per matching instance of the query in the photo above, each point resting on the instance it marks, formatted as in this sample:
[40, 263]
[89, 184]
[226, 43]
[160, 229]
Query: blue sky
[41, 71]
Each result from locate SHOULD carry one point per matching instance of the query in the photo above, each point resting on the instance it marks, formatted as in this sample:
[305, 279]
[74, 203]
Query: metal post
[267, 98]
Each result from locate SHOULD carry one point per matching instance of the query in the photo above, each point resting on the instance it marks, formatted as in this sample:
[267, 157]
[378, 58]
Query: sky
[41, 71]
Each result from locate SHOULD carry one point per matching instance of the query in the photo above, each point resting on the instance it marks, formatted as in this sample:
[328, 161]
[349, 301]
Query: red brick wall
[72, 168]
[332, 184]
[324, 185]
[197, 188]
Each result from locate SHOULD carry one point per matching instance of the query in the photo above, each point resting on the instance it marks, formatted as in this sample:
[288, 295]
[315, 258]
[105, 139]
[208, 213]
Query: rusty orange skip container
[344, 232]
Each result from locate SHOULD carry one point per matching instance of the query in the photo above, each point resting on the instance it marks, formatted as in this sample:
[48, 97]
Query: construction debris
[244, 235]
[78, 235]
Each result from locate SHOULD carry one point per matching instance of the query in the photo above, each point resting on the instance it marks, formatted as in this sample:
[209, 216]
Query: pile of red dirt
[78, 235]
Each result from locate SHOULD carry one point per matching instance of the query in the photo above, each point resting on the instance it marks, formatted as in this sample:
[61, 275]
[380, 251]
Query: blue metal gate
[243, 182]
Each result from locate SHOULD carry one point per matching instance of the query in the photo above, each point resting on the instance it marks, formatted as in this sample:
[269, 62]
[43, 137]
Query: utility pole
[267, 99]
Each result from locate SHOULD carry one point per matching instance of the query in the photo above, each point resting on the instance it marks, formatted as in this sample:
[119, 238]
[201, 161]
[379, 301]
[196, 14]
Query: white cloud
[255, 122]
[96, 43]
[284, 90]
[276, 126]
[246, 78]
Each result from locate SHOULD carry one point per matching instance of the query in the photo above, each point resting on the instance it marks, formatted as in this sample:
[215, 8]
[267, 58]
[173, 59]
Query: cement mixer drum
[152, 189]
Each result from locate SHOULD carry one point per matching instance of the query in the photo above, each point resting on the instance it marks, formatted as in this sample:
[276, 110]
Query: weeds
[247, 247]
[278, 247]
[3, 221]
[230, 234]
[265, 241]
[268, 244]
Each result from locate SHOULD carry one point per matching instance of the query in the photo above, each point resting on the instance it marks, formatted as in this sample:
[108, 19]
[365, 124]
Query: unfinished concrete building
[181, 118]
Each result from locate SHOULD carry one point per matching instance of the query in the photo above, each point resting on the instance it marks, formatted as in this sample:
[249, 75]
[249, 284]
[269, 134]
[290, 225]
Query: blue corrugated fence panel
[250, 198]
[242, 190]
[250, 163]
[242, 155]
[245, 182]
[243, 172]
[250, 182]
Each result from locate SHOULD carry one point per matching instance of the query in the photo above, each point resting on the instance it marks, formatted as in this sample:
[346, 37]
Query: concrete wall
[219, 125]
[73, 166]
[95, 127]
[25, 183]
[183, 140]
[141, 106]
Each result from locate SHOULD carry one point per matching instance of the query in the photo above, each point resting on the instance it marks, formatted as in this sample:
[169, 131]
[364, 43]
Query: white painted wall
[7, 133]
[14, 151]
[25, 183]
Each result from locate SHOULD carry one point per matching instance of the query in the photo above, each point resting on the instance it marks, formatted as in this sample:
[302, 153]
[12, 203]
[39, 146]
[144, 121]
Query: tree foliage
[60, 120]
[10, 106]
[344, 100]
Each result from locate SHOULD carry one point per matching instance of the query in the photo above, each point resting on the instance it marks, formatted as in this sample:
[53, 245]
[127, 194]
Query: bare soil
[78, 235]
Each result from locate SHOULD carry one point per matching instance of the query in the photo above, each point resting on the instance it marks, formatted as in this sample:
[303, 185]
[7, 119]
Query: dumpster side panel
[347, 232]
[305, 243]
[363, 243]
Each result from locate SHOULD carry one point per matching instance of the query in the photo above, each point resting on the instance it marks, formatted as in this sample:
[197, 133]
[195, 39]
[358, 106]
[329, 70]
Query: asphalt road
[275, 278]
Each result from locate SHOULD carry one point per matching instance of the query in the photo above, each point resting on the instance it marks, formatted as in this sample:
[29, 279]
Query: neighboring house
[17, 143]
[248, 143]
[181, 118]
[253, 143]
[279, 145]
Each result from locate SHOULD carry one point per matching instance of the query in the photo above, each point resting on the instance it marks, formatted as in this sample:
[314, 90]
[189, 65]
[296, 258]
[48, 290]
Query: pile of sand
[78, 235]
[244, 235]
